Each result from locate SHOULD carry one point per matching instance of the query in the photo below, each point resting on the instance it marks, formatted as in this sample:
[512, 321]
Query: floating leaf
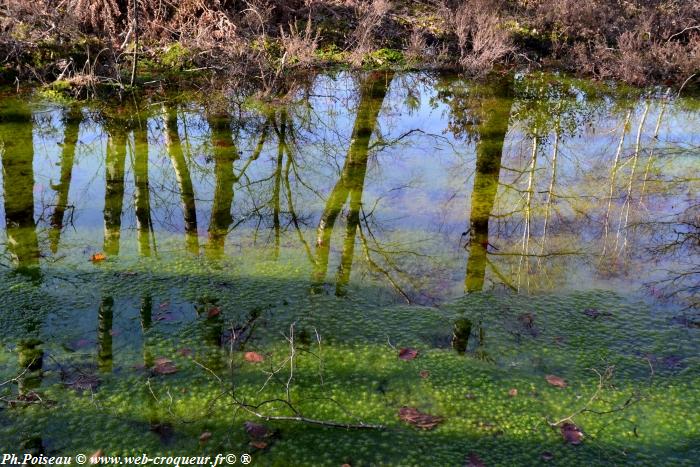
[424, 374]
[408, 353]
[97, 257]
[571, 433]
[419, 419]
[556, 381]
[474, 461]
[204, 437]
[256, 430]
[163, 366]
[253, 357]
[214, 312]
[513, 392]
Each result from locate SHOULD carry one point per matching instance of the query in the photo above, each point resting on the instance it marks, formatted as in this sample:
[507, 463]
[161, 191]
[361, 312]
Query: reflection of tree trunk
[105, 318]
[18, 175]
[278, 180]
[373, 88]
[184, 180]
[493, 127]
[529, 194]
[144, 223]
[613, 175]
[225, 153]
[70, 139]
[550, 193]
[114, 188]
[628, 199]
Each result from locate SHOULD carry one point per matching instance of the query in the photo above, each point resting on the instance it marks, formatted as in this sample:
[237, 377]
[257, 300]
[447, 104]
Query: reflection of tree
[494, 117]
[144, 222]
[114, 185]
[225, 153]
[105, 317]
[18, 174]
[71, 127]
[184, 180]
[373, 88]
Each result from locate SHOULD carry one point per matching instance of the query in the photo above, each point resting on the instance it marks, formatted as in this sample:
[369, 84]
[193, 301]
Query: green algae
[356, 370]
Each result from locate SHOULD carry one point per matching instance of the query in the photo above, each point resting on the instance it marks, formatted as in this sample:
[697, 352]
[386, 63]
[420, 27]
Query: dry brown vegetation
[639, 41]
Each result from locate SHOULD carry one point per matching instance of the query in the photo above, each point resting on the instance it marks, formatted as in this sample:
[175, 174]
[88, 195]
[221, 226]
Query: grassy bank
[83, 43]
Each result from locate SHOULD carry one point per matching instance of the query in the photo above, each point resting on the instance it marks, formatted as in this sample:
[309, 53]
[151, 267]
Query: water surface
[479, 207]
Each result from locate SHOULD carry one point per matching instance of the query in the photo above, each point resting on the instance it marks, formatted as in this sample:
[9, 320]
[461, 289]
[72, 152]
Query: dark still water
[153, 251]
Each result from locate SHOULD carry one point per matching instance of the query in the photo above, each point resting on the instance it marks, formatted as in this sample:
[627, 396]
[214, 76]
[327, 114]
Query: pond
[371, 269]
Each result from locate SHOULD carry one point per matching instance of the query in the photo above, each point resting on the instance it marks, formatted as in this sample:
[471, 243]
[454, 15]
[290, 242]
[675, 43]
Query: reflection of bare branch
[378, 268]
[650, 159]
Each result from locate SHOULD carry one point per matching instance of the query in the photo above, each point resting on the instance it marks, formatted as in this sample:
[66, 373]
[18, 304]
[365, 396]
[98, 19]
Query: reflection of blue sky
[422, 184]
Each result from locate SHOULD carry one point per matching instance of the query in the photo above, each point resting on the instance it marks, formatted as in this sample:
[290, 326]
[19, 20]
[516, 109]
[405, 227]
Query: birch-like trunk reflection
[114, 186]
[373, 89]
[184, 180]
[16, 137]
[71, 127]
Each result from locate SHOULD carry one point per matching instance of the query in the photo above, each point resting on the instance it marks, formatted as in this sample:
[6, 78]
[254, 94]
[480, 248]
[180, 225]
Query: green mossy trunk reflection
[114, 186]
[373, 89]
[71, 128]
[224, 153]
[184, 180]
[144, 223]
[105, 317]
[16, 136]
[494, 116]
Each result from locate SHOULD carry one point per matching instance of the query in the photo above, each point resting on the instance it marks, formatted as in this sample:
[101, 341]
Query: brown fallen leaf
[258, 444]
[204, 437]
[474, 461]
[214, 312]
[547, 456]
[408, 353]
[164, 366]
[414, 417]
[253, 357]
[556, 381]
[256, 430]
[185, 352]
[424, 374]
[571, 433]
[97, 257]
[513, 392]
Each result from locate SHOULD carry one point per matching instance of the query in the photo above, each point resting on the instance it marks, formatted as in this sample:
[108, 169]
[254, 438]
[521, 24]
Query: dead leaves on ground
[253, 357]
[556, 381]
[421, 420]
[259, 435]
[164, 366]
[408, 353]
[571, 433]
